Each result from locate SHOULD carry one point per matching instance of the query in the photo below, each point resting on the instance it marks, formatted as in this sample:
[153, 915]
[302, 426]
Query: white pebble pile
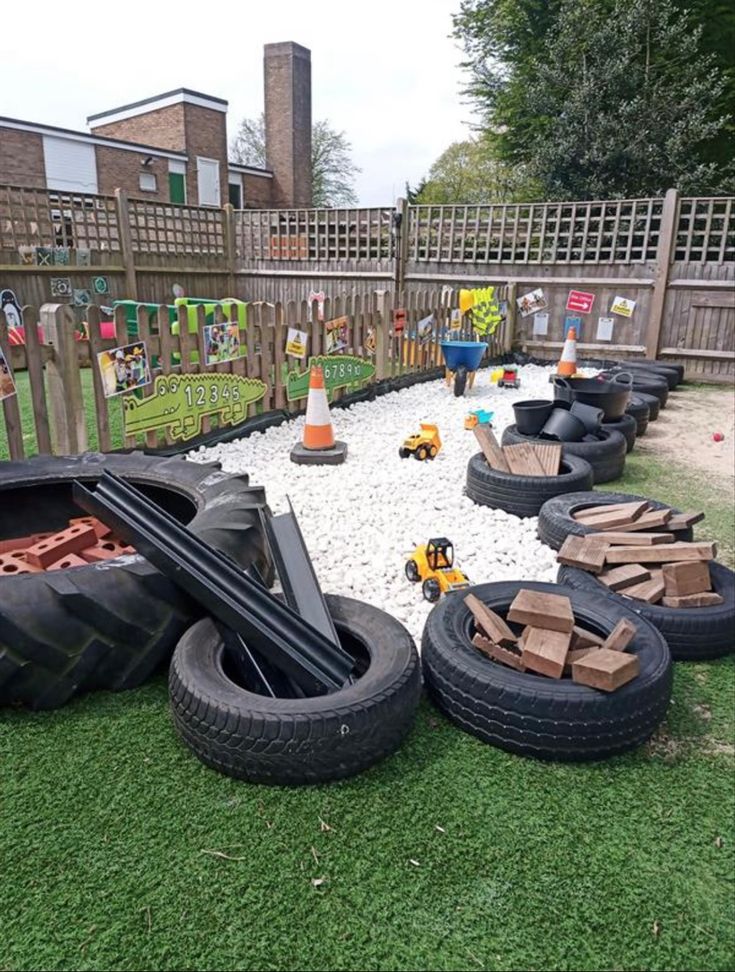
[361, 520]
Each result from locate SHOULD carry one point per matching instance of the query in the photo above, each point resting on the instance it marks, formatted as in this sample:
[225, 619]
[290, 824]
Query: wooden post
[64, 380]
[126, 243]
[228, 222]
[383, 321]
[666, 238]
[511, 318]
[11, 409]
[400, 218]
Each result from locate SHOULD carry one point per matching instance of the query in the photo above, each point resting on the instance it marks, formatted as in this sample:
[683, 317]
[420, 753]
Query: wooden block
[682, 521]
[649, 521]
[100, 528]
[587, 553]
[71, 560]
[490, 623]
[666, 553]
[545, 651]
[607, 519]
[104, 550]
[490, 447]
[549, 455]
[522, 460]
[19, 543]
[687, 578]
[11, 566]
[633, 539]
[582, 638]
[606, 670]
[620, 636]
[605, 508]
[692, 600]
[541, 610]
[574, 654]
[510, 658]
[72, 540]
[624, 576]
[650, 591]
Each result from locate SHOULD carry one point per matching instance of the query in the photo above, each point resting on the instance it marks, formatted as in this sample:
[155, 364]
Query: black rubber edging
[692, 634]
[536, 716]
[555, 520]
[523, 495]
[110, 625]
[297, 741]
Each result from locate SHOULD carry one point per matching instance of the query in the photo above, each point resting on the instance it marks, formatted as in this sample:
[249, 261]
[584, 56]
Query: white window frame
[149, 175]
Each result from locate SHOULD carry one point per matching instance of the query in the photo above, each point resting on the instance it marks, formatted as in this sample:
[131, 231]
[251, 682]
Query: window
[147, 182]
[236, 195]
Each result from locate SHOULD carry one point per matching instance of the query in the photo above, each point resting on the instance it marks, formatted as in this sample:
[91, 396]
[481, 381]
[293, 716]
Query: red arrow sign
[580, 301]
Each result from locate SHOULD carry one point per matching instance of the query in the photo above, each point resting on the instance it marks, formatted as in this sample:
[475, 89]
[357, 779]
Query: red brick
[72, 540]
[11, 566]
[71, 560]
[105, 550]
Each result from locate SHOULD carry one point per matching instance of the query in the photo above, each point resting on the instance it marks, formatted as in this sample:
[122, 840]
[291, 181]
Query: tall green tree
[470, 172]
[333, 171]
[596, 98]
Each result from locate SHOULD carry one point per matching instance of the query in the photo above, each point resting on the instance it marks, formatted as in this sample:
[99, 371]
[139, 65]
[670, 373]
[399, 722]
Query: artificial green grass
[121, 851]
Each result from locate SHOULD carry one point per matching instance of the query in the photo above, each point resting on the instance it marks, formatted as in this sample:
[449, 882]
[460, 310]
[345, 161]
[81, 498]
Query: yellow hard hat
[466, 300]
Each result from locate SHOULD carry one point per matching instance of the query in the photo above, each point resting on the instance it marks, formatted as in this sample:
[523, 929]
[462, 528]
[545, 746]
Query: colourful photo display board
[180, 402]
[340, 371]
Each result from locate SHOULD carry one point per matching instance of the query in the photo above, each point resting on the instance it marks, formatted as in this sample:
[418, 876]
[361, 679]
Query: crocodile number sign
[180, 402]
[340, 371]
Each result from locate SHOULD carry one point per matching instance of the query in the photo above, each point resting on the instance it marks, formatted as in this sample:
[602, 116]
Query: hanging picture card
[605, 329]
[540, 324]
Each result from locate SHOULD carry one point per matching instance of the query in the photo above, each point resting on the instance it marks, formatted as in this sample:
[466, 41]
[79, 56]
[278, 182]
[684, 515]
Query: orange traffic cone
[568, 360]
[319, 446]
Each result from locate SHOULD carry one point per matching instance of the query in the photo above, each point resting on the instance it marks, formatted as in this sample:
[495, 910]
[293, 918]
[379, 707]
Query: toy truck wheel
[431, 590]
[403, 452]
[432, 452]
[421, 453]
[412, 571]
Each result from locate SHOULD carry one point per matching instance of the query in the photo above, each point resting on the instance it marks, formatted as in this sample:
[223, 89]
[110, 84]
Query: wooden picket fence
[56, 398]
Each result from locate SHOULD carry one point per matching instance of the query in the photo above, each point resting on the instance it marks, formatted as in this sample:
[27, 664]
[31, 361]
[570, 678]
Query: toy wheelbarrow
[462, 359]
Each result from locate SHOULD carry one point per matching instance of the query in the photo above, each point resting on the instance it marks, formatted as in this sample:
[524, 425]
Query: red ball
[718, 436]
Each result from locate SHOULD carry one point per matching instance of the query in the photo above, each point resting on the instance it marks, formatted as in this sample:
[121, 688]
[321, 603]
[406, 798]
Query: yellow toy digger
[424, 445]
[431, 563]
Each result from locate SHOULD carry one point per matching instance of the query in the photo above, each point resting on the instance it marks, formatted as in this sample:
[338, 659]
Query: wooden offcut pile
[523, 459]
[552, 644]
[86, 540]
[647, 566]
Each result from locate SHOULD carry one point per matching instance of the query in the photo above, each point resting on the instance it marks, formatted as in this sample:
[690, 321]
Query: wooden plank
[693, 600]
[624, 576]
[34, 363]
[681, 521]
[627, 513]
[101, 410]
[542, 610]
[606, 508]
[574, 654]
[587, 553]
[668, 553]
[650, 591]
[582, 638]
[522, 460]
[632, 539]
[686, 578]
[549, 455]
[605, 670]
[509, 658]
[144, 333]
[491, 448]
[545, 650]
[620, 636]
[648, 521]
[489, 622]
[11, 409]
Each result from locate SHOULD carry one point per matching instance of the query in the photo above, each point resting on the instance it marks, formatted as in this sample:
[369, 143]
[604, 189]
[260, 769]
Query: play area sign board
[580, 301]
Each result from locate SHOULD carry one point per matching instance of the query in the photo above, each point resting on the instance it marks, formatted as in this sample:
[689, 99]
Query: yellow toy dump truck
[425, 445]
[432, 563]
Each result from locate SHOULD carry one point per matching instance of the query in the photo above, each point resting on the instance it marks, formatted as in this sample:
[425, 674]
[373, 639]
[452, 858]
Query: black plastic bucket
[564, 426]
[531, 415]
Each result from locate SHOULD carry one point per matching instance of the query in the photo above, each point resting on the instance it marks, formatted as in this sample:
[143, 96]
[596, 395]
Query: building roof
[156, 102]
[249, 169]
[26, 126]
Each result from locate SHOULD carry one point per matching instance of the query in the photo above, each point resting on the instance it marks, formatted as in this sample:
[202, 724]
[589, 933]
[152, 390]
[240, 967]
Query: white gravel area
[362, 519]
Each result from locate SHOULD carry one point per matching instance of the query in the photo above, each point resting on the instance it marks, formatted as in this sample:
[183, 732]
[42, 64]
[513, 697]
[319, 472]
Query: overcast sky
[385, 71]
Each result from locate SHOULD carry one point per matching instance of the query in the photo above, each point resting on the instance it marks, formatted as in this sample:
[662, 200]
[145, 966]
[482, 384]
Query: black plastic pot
[590, 416]
[643, 381]
[564, 426]
[611, 396]
[532, 414]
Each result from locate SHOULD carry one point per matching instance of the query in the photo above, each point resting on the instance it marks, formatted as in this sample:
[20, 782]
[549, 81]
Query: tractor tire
[692, 634]
[555, 521]
[639, 410]
[431, 590]
[527, 714]
[523, 495]
[605, 453]
[109, 625]
[295, 741]
[460, 381]
[626, 425]
[412, 571]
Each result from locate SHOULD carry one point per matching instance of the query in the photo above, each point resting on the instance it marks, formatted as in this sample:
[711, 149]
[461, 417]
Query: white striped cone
[568, 360]
[318, 431]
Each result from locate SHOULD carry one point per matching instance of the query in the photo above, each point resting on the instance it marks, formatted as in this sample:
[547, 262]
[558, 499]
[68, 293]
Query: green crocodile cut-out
[340, 371]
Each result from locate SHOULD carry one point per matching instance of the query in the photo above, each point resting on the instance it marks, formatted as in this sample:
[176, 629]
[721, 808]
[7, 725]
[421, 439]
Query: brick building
[173, 147]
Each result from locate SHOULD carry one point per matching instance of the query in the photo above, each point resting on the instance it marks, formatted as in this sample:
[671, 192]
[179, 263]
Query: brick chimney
[287, 74]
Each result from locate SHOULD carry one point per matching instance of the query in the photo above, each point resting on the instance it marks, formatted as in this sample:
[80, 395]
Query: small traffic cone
[568, 361]
[319, 446]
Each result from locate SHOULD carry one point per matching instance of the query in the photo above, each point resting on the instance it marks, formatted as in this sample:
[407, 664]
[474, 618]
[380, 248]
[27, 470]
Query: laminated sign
[531, 302]
[579, 300]
[623, 306]
[296, 343]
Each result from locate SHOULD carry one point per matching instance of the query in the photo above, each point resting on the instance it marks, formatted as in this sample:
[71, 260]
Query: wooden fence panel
[34, 363]
[11, 409]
